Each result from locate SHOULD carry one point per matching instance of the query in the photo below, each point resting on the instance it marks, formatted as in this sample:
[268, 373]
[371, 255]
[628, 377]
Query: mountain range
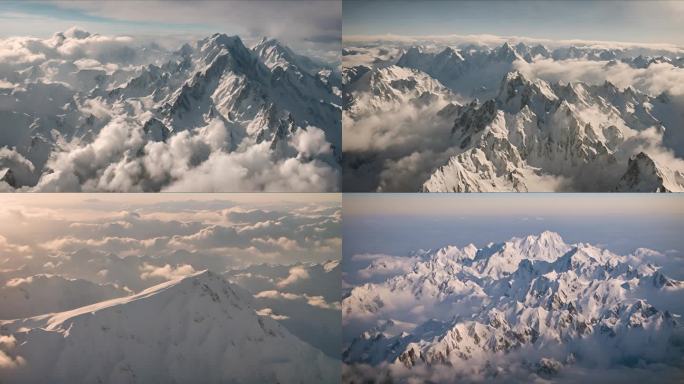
[524, 309]
[144, 118]
[476, 120]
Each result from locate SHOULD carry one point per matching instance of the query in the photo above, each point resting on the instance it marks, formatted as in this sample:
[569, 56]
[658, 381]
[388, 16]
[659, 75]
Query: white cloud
[311, 142]
[314, 301]
[8, 343]
[269, 312]
[272, 294]
[655, 79]
[166, 272]
[189, 161]
[492, 41]
[7, 361]
[319, 301]
[11, 249]
[318, 23]
[296, 273]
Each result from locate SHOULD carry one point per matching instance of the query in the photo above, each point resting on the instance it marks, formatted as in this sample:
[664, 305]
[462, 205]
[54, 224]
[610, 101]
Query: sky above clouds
[304, 25]
[630, 21]
[398, 224]
[137, 240]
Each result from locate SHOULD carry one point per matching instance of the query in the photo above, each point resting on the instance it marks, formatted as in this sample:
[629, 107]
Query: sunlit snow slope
[194, 329]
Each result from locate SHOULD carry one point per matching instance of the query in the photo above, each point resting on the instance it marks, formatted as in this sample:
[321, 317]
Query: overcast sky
[628, 21]
[306, 25]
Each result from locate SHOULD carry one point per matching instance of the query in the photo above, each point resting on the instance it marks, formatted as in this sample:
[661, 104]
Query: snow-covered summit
[196, 328]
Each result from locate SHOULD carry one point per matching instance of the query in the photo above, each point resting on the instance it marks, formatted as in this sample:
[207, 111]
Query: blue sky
[305, 24]
[629, 21]
[43, 19]
[396, 224]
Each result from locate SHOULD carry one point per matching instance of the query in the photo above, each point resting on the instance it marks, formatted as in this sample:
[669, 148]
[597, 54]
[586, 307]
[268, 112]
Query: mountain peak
[643, 175]
[506, 52]
[515, 75]
[225, 40]
[186, 320]
[550, 236]
[269, 41]
[450, 52]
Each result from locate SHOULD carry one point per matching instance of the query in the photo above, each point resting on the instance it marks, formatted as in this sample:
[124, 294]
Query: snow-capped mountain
[534, 303]
[575, 132]
[197, 328]
[375, 90]
[477, 119]
[216, 115]
[35, 295]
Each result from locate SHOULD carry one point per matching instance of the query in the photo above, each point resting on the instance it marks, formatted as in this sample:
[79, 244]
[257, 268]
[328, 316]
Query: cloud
[654, 79]
[273, 294]
[281, 243]
[492, 41]
[166, 272]
[318, 23]
[311, 142]
[319, 301]
[122, 159]
[314, 301]
[399, 157]
[11, 249]
[255, 170]
[17, 282]
[240, 215]
[269, 312]
[8, 343]
[296, 273]
[7, 361]
[383, 266]
[135, 245]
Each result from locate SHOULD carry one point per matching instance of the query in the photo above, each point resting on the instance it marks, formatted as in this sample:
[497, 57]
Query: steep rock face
[7, 176]
[644, 175]
[198, 328]
[554, 131]
[527, 294]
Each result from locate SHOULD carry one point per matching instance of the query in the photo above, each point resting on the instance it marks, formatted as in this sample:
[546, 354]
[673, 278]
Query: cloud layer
[140, 245]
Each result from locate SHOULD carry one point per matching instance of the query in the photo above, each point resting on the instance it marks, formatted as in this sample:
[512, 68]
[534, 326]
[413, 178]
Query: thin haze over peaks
[630, 21]
[317, 32]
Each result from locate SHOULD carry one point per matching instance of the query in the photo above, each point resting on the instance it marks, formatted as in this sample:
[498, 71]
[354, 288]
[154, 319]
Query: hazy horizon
[641, 22]
[398, 224]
